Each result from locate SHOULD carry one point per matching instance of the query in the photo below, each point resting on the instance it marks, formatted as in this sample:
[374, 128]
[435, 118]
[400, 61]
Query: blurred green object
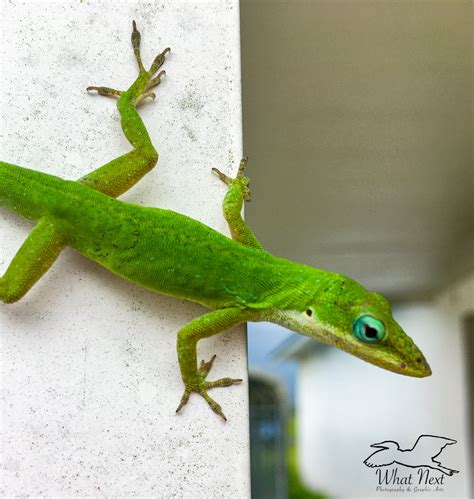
[268, 416]
[296, 488]
[274, 469]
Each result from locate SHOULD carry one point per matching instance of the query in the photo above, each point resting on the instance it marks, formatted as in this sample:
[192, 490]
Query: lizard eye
[369, 329]
[309, 312]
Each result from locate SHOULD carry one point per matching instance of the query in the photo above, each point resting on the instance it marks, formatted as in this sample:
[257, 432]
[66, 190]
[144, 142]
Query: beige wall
[358, 124]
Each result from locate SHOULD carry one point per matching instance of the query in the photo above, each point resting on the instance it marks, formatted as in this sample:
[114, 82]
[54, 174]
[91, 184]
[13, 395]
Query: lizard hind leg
[120, 174]
[33, 259]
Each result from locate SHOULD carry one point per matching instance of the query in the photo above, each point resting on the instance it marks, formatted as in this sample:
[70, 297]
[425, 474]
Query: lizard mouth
[393, 361]
[421, 370]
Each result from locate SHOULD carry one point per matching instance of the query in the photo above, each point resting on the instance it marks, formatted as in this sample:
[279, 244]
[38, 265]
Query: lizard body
[159, 249]
[176, 255]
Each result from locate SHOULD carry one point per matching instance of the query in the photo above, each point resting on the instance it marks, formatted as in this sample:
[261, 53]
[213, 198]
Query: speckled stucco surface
[90, 377]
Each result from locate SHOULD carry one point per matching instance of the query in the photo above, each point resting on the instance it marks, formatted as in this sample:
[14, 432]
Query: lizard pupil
[309, 312]
[370, 332]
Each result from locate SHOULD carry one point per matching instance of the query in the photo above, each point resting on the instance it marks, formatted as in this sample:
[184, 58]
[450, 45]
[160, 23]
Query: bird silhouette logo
[423, 454]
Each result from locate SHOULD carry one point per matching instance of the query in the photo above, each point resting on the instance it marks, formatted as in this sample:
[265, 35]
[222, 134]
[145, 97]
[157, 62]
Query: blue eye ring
[368, 329]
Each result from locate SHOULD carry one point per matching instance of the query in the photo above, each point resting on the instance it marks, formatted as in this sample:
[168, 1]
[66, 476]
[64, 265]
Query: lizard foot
[201, 386]
[152, 81]
[240, 178]
[146, 79]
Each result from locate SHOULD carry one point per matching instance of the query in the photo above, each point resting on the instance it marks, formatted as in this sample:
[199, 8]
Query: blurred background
[358, 124]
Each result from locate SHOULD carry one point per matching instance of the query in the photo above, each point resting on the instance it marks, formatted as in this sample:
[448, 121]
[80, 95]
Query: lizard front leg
[194, 378]
[237, 193]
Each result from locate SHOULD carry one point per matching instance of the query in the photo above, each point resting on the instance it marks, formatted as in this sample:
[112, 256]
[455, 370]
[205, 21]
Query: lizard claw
[203, 392]
[159, 61]
[105, 91]
[243, 164]
[213, 405]
[222, 176]
[206, 366]
[184, 399]
[154, 82]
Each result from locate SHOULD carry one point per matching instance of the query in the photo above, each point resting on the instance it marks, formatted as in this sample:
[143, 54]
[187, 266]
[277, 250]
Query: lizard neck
[286, 285]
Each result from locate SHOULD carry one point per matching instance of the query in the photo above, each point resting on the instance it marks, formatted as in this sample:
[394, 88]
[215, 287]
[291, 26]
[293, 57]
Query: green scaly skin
[176, 255]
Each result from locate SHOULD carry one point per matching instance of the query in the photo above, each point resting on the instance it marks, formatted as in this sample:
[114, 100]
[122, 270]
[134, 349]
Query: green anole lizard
[172, 254]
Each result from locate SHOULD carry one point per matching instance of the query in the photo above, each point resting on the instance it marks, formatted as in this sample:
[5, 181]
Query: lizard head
[360, 322]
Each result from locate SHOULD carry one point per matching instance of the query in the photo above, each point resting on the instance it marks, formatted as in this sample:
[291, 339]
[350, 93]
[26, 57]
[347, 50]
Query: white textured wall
[90, 375]
[344, 405]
